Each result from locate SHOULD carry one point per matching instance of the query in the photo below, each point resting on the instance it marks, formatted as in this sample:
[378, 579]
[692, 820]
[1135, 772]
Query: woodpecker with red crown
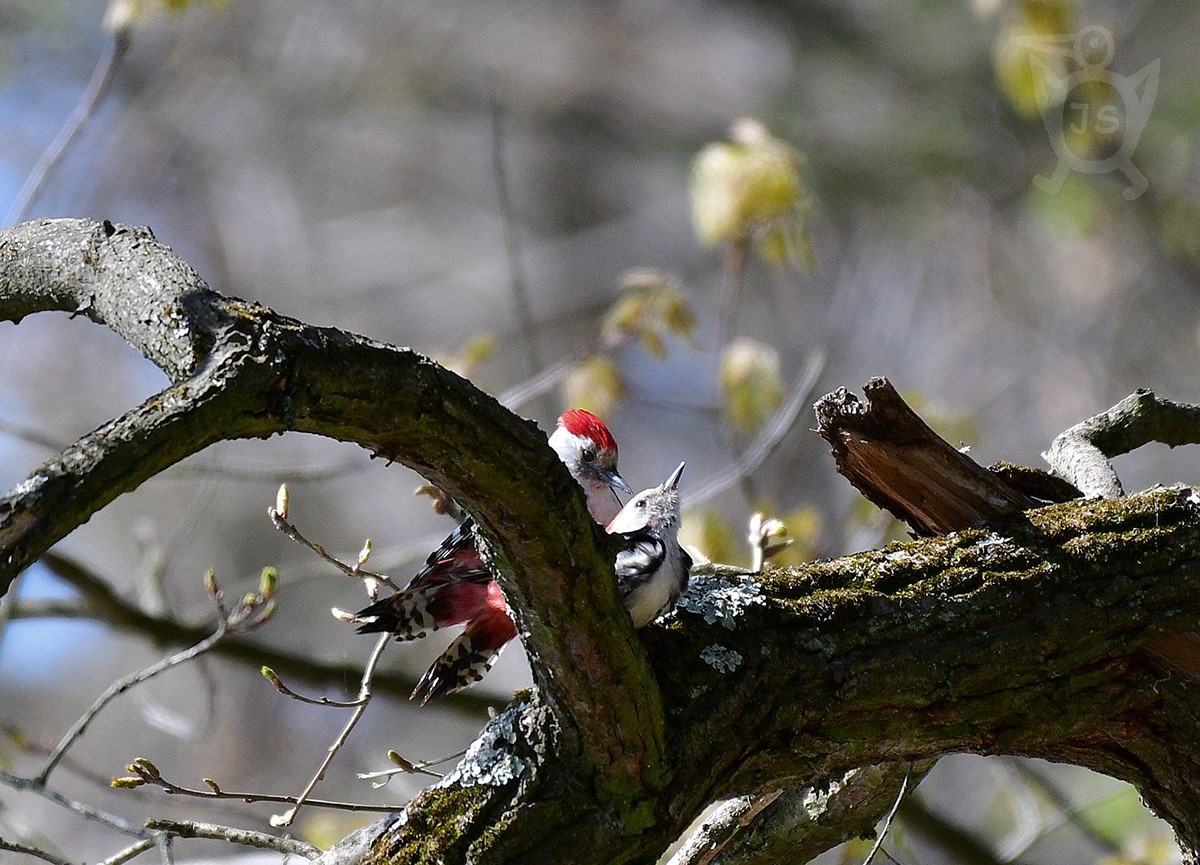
[652, 568]
[455, 586]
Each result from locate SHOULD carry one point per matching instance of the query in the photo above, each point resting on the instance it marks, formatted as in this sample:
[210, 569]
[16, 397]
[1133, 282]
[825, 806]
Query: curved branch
[1081, 454]
[241, 370]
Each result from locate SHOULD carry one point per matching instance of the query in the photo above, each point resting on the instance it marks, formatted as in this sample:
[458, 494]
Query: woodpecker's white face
[655, 509]
[588, 450]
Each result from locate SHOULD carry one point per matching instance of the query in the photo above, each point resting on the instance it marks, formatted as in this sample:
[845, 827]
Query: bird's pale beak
[673, 481]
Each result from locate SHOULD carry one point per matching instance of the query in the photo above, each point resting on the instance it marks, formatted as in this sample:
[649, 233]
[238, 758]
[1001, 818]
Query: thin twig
[30, 850]
[281, 522]
[887, 821]
[406, 767]
[102, 77]
[87, 812]
[135, 849]
[270, 473]
[1068, 811]
[768, 439]
[277, 682]
[733, 271]
[520, 394]
[245, 837]
[32, 436]
[103, 604]
[8, 604]
[252, 611]
[364, 698]
[121, 686]
[512, 245]
[216, 792]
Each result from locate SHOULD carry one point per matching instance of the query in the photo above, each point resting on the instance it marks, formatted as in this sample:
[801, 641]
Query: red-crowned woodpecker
[455, 586]
[652, 569]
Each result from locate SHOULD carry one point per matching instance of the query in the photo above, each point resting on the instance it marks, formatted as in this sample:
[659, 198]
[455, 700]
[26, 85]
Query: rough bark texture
[1023, 637]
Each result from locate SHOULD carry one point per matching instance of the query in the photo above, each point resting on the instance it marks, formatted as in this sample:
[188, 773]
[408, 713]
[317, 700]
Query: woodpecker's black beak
[614, 480]
[673, 481]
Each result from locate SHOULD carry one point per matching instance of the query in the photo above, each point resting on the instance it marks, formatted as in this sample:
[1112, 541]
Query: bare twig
[406, 767]
[246, 837]
[960, 845]
[193, 467]
[32, 436]
[520, 394]
[140, 777]
[768, 439]
[135, 849]
[8, 605]
[887, 821]
[364, 698]
[273, 677]
[251, 612]
[512, 246]
[102, 77]
[733, 271]
[279, 518]
[30, 850]
[100, 602]
[1067, 810]
[81, 809]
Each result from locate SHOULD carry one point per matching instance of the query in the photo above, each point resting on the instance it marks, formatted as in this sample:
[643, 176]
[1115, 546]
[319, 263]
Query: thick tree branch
[240, 370]
[1021, 638]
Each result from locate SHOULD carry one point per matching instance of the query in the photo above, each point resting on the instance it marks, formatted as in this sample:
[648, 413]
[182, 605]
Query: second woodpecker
[652, 569]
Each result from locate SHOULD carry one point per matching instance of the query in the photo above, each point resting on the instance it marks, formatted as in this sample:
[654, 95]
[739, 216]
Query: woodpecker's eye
[641, 503]
[589, 455]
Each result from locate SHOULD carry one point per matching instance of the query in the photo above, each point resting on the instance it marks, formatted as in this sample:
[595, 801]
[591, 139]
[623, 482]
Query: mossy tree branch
[1021, 638]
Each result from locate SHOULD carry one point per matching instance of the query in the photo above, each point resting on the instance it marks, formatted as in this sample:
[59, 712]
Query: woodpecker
[454, 587]
[652, 569]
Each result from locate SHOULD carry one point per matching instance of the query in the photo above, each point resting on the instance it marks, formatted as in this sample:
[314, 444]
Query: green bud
[268, 582]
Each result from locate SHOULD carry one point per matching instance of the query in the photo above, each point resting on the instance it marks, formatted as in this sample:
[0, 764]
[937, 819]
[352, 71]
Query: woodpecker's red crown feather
[579, 422]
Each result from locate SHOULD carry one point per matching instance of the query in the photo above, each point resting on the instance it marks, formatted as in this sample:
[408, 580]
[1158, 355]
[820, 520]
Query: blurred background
[995, 203]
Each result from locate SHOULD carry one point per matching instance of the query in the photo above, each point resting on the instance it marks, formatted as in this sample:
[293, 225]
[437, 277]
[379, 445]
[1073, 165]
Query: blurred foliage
[323, 829]
[594, 384]
[477, 351]
[708, 530]
[124, 14]
[652, 305]
[1032, 52]
[752, 385]
[750, 189]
